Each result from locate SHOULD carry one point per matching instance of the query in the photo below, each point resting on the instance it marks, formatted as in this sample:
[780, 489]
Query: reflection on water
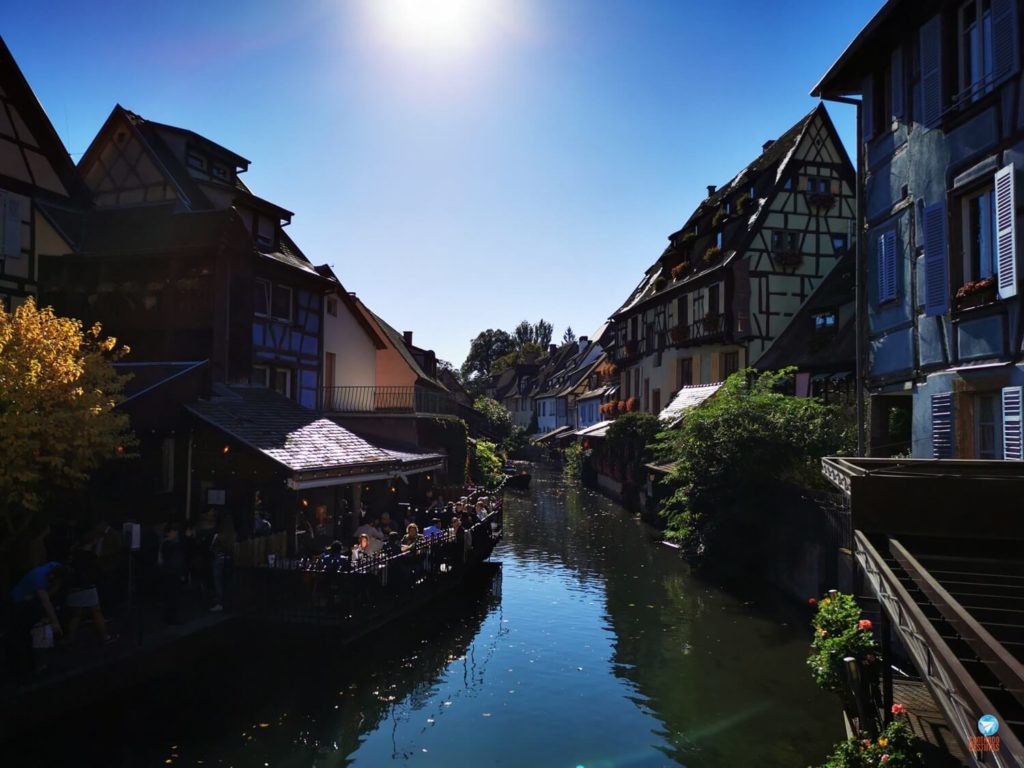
[593, 647]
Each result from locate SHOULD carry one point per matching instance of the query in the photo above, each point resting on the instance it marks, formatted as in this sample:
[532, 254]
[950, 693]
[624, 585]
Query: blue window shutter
[942, 426]
[931, 71]
[1004, 38]
[887, 266]
[936, 281]
[1012, 433]
[896, 72]
[867, 109]
[1006, 232]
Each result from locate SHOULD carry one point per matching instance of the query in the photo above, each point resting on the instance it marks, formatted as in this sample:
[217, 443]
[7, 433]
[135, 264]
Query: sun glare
[443, 26]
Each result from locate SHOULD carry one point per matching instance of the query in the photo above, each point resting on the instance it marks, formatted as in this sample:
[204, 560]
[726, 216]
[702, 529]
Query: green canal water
[593, 647]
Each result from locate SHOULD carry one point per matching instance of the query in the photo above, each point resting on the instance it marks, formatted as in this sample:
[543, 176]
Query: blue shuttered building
[940, 159]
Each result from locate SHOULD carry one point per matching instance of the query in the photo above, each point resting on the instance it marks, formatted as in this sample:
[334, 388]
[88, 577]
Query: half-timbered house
[736, 273]
[37, 182]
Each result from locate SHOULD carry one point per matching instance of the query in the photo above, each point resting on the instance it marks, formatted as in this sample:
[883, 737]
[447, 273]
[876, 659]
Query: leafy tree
[485, 464]
[523, 333]
[568, 337]
[499, 418]
[542, 333]
[487, 347]
[444, 365]
[518, 356]
[57, 398]
[746, 438]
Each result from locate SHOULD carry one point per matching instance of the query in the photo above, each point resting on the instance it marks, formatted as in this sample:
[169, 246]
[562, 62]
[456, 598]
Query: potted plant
[742, 202]
[660, 282]
[680, 269]
[976, 293]
[821, 200]
[632, 404]
[719, 217]
[680, 333]
[712, 253]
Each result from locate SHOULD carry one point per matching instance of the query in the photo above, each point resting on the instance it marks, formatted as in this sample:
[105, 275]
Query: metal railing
[413, 399]
[361, 594]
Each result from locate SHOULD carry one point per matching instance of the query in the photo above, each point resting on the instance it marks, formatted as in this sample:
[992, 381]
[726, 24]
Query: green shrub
[485, 464]
[576, 456]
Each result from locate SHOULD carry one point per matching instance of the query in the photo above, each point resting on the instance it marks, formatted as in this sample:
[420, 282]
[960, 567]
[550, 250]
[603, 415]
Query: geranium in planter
[719, 217]
[976, 293]
[660, 282]
[839, 631]
[680, 269]
[712, 253]
[631, 404]
[742, 202]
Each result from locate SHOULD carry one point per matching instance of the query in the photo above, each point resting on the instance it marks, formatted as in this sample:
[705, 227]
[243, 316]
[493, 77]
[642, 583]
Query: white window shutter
[1006, 232]
[12, 226]
[942, 426]
[1012, 435]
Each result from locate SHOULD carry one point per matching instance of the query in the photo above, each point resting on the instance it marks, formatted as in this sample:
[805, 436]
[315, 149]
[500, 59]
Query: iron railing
[413, 399]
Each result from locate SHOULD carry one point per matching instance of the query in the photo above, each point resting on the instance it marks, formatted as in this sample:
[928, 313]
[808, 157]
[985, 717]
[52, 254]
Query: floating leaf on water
[264, 725]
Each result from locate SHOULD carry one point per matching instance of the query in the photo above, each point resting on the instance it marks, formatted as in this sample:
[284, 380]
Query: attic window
[195, 160]
[824, 321]
[220, 172]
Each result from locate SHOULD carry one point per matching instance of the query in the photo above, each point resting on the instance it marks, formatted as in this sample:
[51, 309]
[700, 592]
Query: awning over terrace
[686, 399]
[595, 430]
[548, 436]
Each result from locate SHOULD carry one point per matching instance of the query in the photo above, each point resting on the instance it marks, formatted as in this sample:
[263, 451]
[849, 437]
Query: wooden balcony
[388, 400]
[708, 328]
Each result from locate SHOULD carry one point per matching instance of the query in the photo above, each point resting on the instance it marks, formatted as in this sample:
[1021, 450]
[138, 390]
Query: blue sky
[516, 159]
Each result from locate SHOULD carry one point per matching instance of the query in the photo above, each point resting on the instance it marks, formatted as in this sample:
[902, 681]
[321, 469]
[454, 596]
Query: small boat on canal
[516, 478]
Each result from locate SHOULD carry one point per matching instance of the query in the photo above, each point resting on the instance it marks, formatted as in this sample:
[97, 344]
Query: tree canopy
[499, 418]
[58, 392]
[569, 336]
[487, 347]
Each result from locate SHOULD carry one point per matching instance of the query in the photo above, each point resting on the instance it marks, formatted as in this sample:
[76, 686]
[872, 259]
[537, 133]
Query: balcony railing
[388, 400]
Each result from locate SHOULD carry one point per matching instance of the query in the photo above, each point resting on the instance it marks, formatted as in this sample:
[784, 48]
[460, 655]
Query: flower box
[631, 348]
[976, 294]
[680, 333]
[821, 200]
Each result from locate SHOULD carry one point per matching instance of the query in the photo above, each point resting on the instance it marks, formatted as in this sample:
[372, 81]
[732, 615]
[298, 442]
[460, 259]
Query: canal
[592, 647]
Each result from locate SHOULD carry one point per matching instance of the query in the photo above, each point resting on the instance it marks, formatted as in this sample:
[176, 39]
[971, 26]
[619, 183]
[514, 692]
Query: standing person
[222, 549]
[31, 600]
[462, 542]
[172, 573]
[82, 593]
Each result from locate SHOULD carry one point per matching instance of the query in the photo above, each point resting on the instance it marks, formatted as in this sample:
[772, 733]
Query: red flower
[812, 601]
[899, 709]
[864, 624]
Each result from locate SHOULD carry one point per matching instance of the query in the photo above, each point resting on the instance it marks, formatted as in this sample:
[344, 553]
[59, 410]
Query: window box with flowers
[719, 218]
[822, 201]
[680, 269]
[680, 333]
[712, 253]
[631, 348]
[976, 294]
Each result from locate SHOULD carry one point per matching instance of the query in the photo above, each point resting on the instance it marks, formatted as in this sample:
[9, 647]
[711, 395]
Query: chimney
[552, 348]
[767, 145]
[583, 341]
[407, 335]
[711, 189]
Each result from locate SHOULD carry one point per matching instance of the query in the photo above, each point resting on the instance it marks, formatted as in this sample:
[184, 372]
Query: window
[260, 376]
[220, 172]
[685, 372]
[195, 160]
[714, 293]
[261, 298]
[787, 184]
[730, 363]
[656, 401]
[698, 306]
[817, 185]
[824, 321]
[719, 238]
[282, 382]
[332, 307]
[975, 57]
[785, 242]
[988, 425]
[840, 243]
[282, 306]
[266, 229]
[979, 235]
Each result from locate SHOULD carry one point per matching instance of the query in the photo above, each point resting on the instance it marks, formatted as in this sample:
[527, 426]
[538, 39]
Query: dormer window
[220, 172]
[824, 321]
[265, 231]
[195, 160]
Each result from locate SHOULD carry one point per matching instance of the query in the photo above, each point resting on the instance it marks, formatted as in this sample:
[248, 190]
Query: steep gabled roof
[41, 132]
[398, 342]
[766, 171]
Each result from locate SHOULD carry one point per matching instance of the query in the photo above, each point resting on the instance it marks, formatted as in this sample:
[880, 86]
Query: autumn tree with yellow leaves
[58, 394]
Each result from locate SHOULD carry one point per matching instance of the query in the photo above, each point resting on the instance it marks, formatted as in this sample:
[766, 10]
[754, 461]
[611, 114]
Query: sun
[443, 26]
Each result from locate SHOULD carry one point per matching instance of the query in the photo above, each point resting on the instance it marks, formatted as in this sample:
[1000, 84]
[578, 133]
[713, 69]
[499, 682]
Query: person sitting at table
[434, 529]
[413, 539]
[370, 527]
[361, 552]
